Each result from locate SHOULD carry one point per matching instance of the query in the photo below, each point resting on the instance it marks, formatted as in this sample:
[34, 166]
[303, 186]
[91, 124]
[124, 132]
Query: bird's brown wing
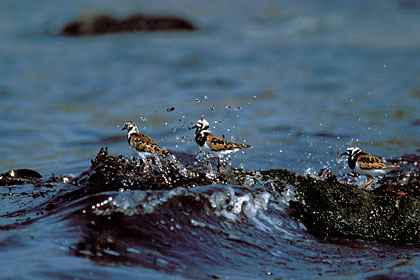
[147, 144]
[370, 162]
[219, 144]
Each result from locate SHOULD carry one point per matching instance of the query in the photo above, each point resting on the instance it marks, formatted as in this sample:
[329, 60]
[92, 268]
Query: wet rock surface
[330, 209]
[98, 24]
[18, 177]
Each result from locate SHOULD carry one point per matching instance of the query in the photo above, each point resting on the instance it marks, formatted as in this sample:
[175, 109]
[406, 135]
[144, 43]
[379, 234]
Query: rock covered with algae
[332, 210]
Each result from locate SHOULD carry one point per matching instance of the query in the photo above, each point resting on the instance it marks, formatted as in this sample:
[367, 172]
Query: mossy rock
[330, 209]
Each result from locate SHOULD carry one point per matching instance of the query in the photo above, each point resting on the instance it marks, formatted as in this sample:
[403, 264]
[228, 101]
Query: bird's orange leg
[220, 166]
[368, 183]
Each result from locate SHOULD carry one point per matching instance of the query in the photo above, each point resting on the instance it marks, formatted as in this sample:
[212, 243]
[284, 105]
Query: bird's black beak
[337, 159]
[195, 126]
[124, 128]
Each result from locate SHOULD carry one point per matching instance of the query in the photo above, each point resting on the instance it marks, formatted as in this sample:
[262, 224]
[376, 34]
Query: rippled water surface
[298, 81]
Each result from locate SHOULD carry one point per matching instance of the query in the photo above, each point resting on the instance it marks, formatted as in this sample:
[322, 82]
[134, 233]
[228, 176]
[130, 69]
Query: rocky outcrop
[103, 24]
[330, 209]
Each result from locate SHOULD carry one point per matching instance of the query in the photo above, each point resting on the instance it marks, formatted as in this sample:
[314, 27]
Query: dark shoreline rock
[102, 24]
[330, 210]
[18, 177]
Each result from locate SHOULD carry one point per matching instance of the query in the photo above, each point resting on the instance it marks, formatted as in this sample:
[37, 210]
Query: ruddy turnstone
[143, 144]
[214, 145]
[365, 164]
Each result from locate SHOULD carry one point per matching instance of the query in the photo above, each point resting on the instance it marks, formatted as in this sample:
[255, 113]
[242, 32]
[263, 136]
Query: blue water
[299, 81]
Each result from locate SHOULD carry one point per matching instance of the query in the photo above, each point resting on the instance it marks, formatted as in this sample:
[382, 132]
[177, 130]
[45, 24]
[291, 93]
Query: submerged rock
[101, 24]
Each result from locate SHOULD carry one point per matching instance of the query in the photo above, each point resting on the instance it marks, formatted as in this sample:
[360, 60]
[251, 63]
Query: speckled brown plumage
[219, 144]
[369, 162]
[214, 144]
[143, 143]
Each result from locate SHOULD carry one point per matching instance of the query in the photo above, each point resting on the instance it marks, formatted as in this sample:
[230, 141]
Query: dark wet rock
[18, 177]
[329, 208]
[110, 173]
[102, 24]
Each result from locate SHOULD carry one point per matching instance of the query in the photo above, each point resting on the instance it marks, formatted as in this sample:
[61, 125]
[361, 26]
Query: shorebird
[145, 146]
[365, 164]
[214, 145]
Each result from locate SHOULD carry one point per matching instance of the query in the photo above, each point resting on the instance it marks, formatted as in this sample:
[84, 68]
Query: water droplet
[213, 108]
[143, 118]
[173, 129]
[205, 97]
[170, 109]
[198, 100]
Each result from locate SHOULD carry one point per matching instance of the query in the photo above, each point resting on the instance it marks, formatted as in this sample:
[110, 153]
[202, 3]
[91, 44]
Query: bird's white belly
[144, 155]
[207, 149]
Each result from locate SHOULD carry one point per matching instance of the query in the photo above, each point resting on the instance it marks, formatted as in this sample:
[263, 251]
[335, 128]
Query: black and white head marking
[131, 127]
[353, 152]
[202, 131]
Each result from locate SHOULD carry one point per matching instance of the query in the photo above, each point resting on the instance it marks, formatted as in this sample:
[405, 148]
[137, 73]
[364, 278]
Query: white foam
[234, 206]
[135, 202]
